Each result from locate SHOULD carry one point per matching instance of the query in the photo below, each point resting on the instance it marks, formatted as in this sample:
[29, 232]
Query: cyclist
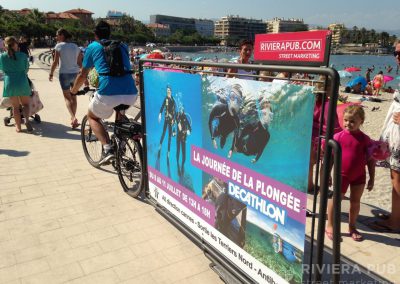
[112, 90]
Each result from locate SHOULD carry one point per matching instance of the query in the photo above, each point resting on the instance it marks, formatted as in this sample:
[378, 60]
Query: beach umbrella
[155, 55]
[387, 78]
[352, 69]
[344, 74]
[355, 81]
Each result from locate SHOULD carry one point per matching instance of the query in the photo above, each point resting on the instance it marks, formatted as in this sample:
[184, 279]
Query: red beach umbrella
[155, 55]
[352, 69]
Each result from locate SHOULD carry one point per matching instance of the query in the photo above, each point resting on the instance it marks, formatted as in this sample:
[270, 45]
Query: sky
[379, 15]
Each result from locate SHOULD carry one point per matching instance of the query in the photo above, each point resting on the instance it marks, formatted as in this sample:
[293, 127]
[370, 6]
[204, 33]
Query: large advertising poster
[229, 158]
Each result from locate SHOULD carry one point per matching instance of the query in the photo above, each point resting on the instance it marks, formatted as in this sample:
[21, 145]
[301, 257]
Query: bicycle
[125, 140]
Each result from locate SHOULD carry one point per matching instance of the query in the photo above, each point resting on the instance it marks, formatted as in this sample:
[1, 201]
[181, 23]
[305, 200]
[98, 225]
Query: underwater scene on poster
[229, 158]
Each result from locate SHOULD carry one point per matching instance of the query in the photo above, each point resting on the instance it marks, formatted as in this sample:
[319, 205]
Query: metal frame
[331, 146]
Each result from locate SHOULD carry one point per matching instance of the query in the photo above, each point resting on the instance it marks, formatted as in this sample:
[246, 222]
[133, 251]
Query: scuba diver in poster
[183, 130]
[213, 189]
[169, 108]
[230, 214]
[254, 136]
[224, 116]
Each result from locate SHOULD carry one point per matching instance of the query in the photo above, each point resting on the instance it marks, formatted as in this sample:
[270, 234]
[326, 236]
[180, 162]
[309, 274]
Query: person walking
[69, 56]
[24, 46]
[391, 134]
[15, 66]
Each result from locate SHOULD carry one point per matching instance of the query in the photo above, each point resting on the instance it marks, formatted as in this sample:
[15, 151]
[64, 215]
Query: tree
[384, 38]
[127, 24]
[36, 16]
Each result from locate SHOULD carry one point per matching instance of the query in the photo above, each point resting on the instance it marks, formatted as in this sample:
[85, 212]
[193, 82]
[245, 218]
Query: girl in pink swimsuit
[355, 157]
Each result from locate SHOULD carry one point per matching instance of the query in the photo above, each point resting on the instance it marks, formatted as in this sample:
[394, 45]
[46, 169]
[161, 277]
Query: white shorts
[103, 106]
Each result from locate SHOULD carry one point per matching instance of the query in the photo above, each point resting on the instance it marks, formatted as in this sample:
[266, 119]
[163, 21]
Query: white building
[337, 30]
[281, 25]
[235, 28]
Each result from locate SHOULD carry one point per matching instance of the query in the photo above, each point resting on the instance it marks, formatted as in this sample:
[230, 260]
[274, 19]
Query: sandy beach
[381, 195]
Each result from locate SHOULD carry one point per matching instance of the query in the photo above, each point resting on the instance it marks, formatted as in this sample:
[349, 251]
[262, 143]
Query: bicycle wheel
[130, 166]
[91, 145]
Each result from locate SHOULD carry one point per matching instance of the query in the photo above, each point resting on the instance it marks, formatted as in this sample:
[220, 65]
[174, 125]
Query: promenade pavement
[63, 221]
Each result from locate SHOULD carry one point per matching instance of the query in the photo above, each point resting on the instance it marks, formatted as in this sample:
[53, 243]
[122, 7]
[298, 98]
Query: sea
[339, 62]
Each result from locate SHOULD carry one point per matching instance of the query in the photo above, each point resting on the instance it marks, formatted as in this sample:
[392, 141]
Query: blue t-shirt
[108, 85]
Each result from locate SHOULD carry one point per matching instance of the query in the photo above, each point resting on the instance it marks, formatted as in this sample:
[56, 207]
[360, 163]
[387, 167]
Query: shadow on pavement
[14, 153]
[55, 130]
[351, 272]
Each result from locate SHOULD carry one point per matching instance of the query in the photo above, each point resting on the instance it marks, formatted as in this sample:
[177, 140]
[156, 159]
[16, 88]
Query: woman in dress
[15, 66]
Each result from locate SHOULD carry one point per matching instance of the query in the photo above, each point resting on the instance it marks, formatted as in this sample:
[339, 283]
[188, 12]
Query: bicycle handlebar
[84, 91]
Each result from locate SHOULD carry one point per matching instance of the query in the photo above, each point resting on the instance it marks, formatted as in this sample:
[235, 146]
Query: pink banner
[294, 47]
[184, 196]
[286, 197]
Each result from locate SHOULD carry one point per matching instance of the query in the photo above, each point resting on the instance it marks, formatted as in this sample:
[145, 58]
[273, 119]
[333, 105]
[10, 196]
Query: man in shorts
[112, 90]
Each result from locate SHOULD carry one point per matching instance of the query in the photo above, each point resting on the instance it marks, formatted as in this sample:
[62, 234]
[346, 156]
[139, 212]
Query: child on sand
[355, 157]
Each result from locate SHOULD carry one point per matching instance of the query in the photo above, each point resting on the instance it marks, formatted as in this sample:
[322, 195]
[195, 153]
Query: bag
[113, 53]
[5, 102]
[35, 104]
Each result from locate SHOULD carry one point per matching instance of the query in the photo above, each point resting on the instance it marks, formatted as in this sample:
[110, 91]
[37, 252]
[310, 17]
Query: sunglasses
[396, 53]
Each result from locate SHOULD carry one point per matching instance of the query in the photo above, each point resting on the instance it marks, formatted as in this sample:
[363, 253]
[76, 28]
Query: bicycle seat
[121, 107]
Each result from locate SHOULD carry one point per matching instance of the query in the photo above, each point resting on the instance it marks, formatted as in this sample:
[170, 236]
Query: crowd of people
[74, 67]
[112, 90]
[365, 85]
